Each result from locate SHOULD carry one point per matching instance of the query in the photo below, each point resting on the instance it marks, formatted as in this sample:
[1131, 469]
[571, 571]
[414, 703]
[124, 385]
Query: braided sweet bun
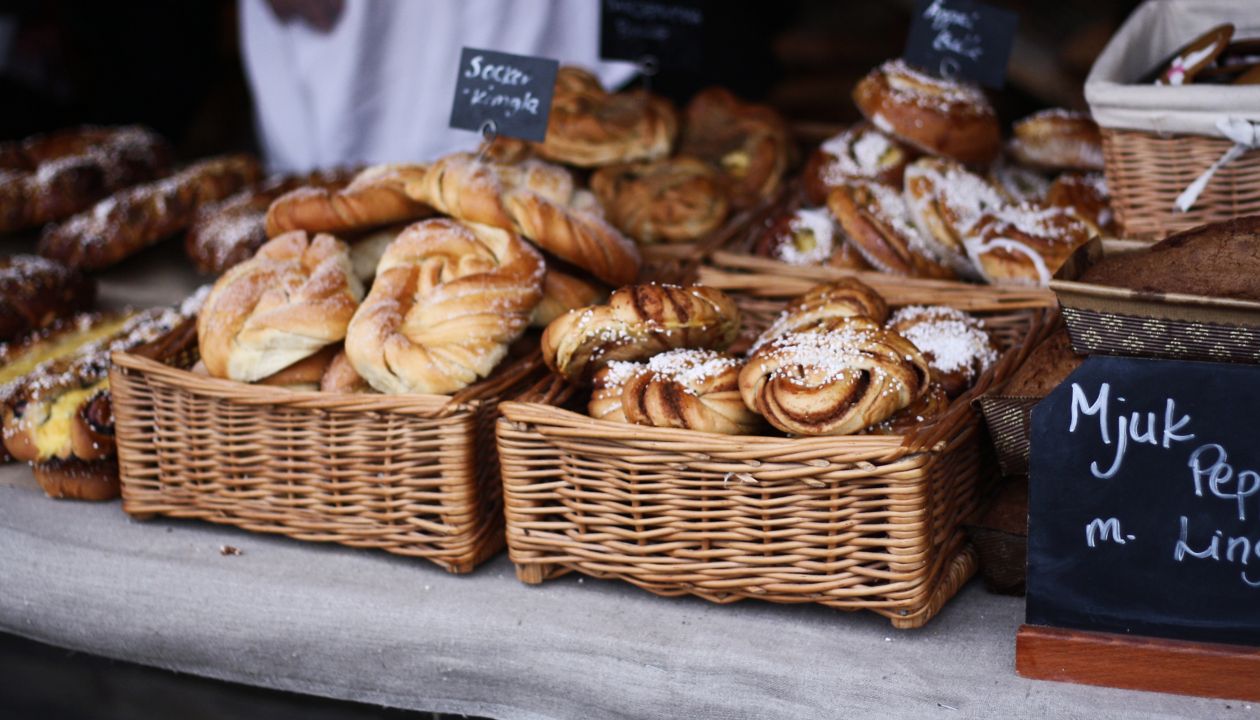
[1025, 244]
[932, 404]
[448, 299]
[590, 127]
[672, 200]
[293, 298]
[685, 388]
[638, 322]
[877, 221]
[1058, 139]
[861, 152]
[561, 293]
[955, 344]
[464, 187]
[936, 116]
[749, 143]
[375, 197]
[1085, 196]
[946, 201]
[825, 306]
[834, 382]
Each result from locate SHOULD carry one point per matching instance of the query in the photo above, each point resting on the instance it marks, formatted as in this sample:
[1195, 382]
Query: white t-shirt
[379, 87]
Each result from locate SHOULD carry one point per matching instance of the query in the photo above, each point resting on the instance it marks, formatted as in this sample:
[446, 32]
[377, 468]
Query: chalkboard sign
[670, 33]
[1144, 502]
[963, 40]
[511, 92]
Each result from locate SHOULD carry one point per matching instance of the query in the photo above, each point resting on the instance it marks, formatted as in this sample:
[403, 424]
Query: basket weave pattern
[1146, 172]
[414, 475]
[855, 522]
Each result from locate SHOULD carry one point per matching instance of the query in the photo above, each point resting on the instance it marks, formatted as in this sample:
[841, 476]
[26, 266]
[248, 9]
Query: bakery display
[375, 197]
[672, 200]
[685, 388]
[747, 143]
[49, 177]
[227, 232]
[134, 219]
[936, 116]
[1057, 139]
[860, 152]
[36, 292]
[946, 201]
[825, 307]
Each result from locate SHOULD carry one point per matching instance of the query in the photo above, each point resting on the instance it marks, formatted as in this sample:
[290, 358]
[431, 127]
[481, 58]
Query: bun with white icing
[945, 201]
[804, 236]
[877, 221]
[955, 344]
[685, 388]
[860, 152]
[1086, 196]
[1025, 244]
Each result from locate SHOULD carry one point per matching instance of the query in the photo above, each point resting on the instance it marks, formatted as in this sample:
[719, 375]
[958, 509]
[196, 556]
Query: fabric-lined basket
[854, 522]
[414, 475]
[1158, 140]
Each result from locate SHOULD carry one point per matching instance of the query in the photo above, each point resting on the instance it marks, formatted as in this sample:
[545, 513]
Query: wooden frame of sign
[1180, 667]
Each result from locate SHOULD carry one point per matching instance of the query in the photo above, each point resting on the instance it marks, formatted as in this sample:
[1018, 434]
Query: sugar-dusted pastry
[1058, 139]
[804, 236]
[1086, 196]
[684, 388]
[590, 127]
[375, 197]
[639, 321]
[749, 143]
[860, 152]
[946, 201]
[876, 220]
[671, 200]
[826, 306]
[936, 116]
[1025, 244]
[956, 346]
[1018, 183]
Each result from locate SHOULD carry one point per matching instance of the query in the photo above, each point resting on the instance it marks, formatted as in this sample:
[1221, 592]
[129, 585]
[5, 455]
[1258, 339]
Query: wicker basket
[678, 262]
[415, 475]
[856, 522]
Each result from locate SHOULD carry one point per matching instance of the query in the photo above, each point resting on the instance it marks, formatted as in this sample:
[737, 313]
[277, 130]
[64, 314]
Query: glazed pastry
[675, 200]
[685, 388]
[826, 307]
[1025, 245]
[946, 201]
[930, 406]
[638, 322]
[1199, 54]
[877, 221]
[1017, 183]
[590, 127]
[833, 382]
[375, 197]
[805, 236]
[561, 293]
[448, 299]
[859, 153]
[1085, 195]
[50, 177]
[225, 233]
[36, 292]
[936, 116]
[1058, 139]
[132, 220]
[292, 299]
[748, 143]
[956, 346]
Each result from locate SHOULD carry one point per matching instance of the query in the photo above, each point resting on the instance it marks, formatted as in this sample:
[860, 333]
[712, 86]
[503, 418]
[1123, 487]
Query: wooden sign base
[1138, 663]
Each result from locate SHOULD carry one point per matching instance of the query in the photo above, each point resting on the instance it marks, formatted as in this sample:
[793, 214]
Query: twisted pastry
[685, 388]
[36, 292]
[955, 344]
[933, 403]
[294, 297]
[749, 143]
[877, 222]
[375, 197]
[448, 299]
[638, 322]
[825, 307]
[590, 127]
[833, 382]
[860, 152]
[674, 200]
[1025, 244]
[562, 293]
[946, 201]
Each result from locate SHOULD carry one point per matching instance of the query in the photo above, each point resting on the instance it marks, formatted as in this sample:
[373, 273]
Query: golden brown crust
[589, 127]
[638, 322]
[341, 377]
[1025, 244]
[931, 405]
[563, 292]
[138, 217]
[748, 143]
[1058, 140]
[305, 374]
[935, 116]
[1047, 365]
[956, 346]
[946, 201]
[877, 222]
[861, 152]
[687, 389]
[376, 197]
[35, 292]
[804, 236]
[827, 305]
[79, 480]
[1085, 195]
[674, 200]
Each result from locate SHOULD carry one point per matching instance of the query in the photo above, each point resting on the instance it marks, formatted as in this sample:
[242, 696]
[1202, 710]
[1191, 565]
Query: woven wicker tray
[414, 475]
[856, 522]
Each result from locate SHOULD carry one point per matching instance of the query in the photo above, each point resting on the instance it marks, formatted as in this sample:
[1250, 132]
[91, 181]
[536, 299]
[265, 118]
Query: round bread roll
[955, 344]
[684, 388]
[877, 221]
[638, 322]
[1057, 139]
[833, 382]
[672, 200]
[936, 116]
[448, 299]
[859, 153]
[293, 298]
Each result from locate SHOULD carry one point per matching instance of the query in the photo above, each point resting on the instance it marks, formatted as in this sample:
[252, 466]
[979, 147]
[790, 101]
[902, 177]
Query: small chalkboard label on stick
[1144, 501]
[503, 94]
[658, 33]
[962, 40]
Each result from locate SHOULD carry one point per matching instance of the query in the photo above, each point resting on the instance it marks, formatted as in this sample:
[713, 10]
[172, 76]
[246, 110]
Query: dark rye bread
[1218, 260]
[1047, 365]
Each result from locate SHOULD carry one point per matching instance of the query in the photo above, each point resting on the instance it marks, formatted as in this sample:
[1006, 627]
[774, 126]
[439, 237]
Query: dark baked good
[36, 291]
[1218, 259]
[1046, 366]
[748, 143]
[1195, 56]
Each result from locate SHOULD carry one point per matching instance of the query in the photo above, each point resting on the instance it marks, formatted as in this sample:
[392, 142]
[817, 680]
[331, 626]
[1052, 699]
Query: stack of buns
[833, 363]
[925, 188]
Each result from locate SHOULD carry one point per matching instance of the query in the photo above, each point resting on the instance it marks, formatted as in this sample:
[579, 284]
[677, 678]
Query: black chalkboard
[1152, 528]
[668, 32]
[962, 39]
[511, 91]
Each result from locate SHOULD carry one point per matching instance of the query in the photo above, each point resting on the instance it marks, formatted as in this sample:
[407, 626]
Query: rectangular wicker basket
[414, 475]
[855, 522]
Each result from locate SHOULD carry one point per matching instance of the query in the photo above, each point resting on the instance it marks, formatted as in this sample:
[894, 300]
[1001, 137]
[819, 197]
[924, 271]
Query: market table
[368, 626]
